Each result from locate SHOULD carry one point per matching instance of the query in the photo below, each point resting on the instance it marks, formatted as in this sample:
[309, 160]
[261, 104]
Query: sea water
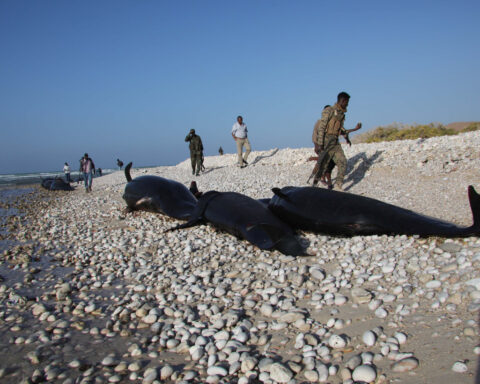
[18, 179]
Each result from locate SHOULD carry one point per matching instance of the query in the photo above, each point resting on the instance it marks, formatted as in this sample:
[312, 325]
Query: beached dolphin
[337, 213]
[245, 218]
[56, 184]
[159, 195]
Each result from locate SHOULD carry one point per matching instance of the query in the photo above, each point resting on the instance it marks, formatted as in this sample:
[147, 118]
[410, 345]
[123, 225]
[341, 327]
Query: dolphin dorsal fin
[127, 171]
[279, 193]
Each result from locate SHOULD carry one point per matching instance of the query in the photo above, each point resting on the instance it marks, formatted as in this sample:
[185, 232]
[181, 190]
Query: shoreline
[91, 292]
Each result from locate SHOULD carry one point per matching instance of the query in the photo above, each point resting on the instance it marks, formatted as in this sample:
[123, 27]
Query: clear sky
[129, 79]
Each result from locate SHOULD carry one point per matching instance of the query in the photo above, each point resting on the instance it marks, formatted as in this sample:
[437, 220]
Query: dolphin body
[56, 184]
[247, 219]
[337, 213]
[159, 195]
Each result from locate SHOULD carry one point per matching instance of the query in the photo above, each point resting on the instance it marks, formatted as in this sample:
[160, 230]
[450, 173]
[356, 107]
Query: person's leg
[341, 162]
[192, 161]
[239, 151]
[198, 164]
[90, 177]
[328, 174]
[323, 160]
[247, 150]
[85, 180]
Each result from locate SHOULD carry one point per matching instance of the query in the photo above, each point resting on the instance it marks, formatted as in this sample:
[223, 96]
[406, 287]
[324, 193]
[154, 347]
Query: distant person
[220, 151]
[66, 170]
[120, 164]
[99, 171]
[80, 174]
[239, 134]
[196, 152]
[326, 136]
[88, 169]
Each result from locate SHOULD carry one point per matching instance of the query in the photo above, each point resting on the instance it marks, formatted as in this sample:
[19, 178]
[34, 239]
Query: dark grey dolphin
[56, 184]
[245, 218]
[338, 213]
[159, 195]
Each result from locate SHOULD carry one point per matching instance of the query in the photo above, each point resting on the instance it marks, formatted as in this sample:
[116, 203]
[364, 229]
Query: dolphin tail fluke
[279, 193]
[127, 171]
[474, 198]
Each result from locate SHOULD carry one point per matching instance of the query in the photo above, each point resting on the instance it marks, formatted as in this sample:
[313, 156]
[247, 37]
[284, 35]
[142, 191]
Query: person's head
[66, 163]
[85, 156]
[240, 119]
[192, 131]
[343, 99]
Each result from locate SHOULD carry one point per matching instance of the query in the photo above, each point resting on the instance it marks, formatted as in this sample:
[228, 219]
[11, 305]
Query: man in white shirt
[239, 134]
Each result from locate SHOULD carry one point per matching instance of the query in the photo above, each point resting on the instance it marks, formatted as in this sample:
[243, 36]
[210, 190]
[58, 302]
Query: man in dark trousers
[196, 151]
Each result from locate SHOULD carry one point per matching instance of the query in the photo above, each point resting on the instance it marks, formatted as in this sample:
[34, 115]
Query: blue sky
[129, 79]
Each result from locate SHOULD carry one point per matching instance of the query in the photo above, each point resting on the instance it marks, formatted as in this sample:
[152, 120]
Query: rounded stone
[405, 365]
[364, 373]
[337, 342]
[459, 367]
[369, 338]
[280, 373]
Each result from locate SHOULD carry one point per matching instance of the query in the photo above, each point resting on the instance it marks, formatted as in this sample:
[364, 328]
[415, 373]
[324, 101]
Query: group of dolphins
[271, 223]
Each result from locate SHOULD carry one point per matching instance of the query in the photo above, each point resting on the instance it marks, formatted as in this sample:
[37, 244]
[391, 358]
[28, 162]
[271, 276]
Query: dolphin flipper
[474, 199]
[267, 236]
[198, 213]
[279, 193]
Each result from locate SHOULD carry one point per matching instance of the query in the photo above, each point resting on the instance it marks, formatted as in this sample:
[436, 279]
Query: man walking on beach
[326, 136]
[88, 169]
[239, 134]
[196, 152]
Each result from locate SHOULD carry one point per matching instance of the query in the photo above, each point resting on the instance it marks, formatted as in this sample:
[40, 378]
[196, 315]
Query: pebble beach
[92, 294]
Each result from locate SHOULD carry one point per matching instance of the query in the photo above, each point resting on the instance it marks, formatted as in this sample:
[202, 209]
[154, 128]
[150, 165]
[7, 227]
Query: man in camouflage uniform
[196, 151]
[325, 137]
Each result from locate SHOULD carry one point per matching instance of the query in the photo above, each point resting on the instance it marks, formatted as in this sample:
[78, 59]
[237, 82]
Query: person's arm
[359, 125]
[347, 132]
[189, 137]
[322, 127]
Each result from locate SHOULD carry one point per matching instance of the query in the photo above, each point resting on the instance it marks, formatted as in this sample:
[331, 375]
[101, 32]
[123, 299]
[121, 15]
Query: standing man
[328, 129]
[196, 151]
[66, 170]
[239, 134]
[120, 164]
[88, 169]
